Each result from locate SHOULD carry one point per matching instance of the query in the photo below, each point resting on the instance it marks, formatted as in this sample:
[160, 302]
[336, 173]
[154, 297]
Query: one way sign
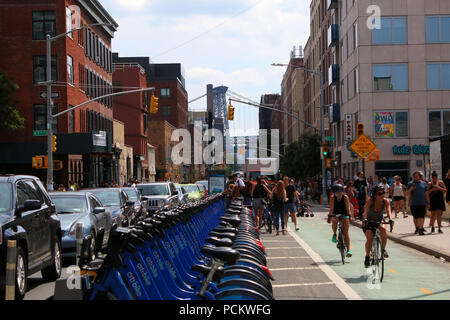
[43, 95]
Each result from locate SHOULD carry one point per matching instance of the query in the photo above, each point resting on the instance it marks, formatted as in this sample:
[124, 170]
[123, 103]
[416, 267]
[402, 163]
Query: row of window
[95, 49]
[96, 122]
[394, 30]
[95, 86]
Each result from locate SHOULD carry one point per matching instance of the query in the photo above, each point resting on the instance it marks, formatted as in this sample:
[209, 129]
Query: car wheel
[53, 272]
[21, 274]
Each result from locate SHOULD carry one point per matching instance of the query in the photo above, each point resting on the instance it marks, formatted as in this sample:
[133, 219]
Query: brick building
[133, 111]
[81, 70]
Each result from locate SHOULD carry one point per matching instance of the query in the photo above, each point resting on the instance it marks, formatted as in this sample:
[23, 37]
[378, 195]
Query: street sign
[374, 155]
[43, 95]
[39, 133]
[330, 138]
[363, 146]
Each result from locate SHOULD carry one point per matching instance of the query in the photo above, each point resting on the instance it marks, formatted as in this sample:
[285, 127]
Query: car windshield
[5, 197]
[108, 198]
[191, 188]
[154, 190]
[132, 194]
[67, 205]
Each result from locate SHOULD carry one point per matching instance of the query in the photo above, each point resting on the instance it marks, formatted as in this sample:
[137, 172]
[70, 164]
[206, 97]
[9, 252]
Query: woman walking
[259, 193]
[398, 194]
[350, 192]
[447, 186]
[278, 200]
[436, 190]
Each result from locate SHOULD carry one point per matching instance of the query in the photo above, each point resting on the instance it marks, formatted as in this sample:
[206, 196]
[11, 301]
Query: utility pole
[50, 186]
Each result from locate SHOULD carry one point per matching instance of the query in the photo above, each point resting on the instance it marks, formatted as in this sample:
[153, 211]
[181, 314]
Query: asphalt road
[306, 265]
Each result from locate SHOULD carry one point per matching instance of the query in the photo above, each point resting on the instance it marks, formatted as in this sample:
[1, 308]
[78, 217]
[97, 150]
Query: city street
[307, 265]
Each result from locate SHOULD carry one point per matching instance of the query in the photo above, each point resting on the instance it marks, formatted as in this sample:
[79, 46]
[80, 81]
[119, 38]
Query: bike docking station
[197, 251]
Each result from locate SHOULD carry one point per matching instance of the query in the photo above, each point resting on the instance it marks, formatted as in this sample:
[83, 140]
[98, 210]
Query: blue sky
[236, 41]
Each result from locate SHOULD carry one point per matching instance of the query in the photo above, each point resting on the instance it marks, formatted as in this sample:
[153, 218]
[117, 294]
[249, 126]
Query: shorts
[418, 212]
[372, 225]
[398, 198]
[258, 203]
[290, 207]
[343, 216]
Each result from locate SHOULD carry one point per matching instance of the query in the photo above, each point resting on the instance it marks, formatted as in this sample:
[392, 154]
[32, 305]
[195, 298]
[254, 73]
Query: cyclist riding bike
[340, 206]
[372, 219]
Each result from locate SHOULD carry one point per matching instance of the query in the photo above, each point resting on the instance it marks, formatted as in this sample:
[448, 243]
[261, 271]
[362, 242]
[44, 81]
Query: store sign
[348, 127]
[99, 139]
[406, 150]
[384, 124]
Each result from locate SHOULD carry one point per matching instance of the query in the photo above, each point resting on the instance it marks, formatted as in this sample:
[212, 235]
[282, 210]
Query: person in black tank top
[340, 206]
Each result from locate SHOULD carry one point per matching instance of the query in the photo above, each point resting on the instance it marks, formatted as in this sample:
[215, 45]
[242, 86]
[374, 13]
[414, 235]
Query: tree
[302, 158]
[9, 115]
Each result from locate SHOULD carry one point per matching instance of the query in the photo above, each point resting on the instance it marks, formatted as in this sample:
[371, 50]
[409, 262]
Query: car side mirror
[30, 205]
[129, 203]
[99, 210]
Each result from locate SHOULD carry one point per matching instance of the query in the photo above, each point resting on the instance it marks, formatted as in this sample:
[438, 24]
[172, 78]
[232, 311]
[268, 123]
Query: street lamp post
[322, 120]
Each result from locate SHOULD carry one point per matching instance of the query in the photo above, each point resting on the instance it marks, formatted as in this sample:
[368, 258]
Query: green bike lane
[409, 274]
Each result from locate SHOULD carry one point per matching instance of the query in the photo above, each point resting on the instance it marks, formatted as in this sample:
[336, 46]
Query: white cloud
[133, 5]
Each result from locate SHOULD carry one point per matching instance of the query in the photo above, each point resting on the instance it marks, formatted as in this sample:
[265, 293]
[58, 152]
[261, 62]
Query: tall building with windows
[395, 78]
[81, 70]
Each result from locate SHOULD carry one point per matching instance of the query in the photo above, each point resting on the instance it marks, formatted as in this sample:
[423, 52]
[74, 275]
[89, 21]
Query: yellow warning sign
[363, 146]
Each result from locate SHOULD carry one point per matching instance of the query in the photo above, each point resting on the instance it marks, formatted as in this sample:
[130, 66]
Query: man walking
[361, 187]
[418, 200]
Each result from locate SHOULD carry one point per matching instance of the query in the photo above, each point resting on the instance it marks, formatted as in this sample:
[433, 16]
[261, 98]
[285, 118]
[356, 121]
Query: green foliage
[302, 158]
[9, 115]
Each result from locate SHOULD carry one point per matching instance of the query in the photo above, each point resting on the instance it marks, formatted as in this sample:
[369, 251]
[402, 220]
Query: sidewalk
[434, 244]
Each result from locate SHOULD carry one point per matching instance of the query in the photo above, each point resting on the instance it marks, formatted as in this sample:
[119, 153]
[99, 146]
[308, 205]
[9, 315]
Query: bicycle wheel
[341, 246]
[376, 258]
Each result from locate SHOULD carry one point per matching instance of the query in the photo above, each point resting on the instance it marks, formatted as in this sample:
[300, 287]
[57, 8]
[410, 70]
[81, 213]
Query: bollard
[11, 256]
[79, 241]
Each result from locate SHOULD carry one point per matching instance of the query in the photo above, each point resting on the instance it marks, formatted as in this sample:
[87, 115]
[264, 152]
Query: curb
[418, 247]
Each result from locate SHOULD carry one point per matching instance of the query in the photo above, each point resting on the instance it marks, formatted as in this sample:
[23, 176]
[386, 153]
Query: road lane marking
[302, 284]
[346, 290]
[426, 291]
[294, 268]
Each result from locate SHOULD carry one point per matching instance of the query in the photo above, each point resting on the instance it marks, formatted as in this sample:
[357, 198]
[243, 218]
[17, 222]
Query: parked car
[193, 191]
[203, 190]
[182, 193]
[159, 194]
[85, 207]
[204, 183]
[117, 202]
[140, 202]
[28, 216]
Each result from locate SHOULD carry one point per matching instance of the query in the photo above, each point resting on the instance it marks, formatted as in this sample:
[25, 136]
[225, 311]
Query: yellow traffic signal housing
[154, 103]
[54, 143]
[230, 113]
[328, 162]
[37, 162]
[359, 129]
[57, 165]
[325, 150]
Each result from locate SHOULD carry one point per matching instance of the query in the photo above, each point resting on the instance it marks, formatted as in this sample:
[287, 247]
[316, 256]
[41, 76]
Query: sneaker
[296, 229]
[349, 254]
[367, 262]
[284, 233]
[417, 231]
[311, 215]
[432, 229]
[440, 231]
[334, 239]
[421, 233]
[385, 254]
[307, 215]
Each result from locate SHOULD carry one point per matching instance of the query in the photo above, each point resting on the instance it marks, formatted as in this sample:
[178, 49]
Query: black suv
[28, 216]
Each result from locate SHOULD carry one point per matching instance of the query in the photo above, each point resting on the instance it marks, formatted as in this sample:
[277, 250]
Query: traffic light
[154, 102]
[37, 162]
[359, 129]
[325, 150]
[230, 112]
[54, 143]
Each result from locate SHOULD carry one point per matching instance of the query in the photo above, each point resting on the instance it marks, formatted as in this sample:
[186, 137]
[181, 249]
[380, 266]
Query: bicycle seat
[222, 235]
[204, 270]
[225, 229]
[234, 220]
[234, 211]
[220, 242]
[226, 255]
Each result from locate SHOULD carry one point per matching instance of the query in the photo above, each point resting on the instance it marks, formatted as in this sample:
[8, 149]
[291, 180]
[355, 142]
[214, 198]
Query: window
[70, 70]
[391, 124]
[438, 123]
[145, 122]
[40, 69]
[438, 76]
[356, 77]
[355, 36]
[165, 111]
[438, 29]
[392, 31]
[69, 22]
[40, 117]
[71, 119]
[44, 22]
[390, 77]
[165, 92]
